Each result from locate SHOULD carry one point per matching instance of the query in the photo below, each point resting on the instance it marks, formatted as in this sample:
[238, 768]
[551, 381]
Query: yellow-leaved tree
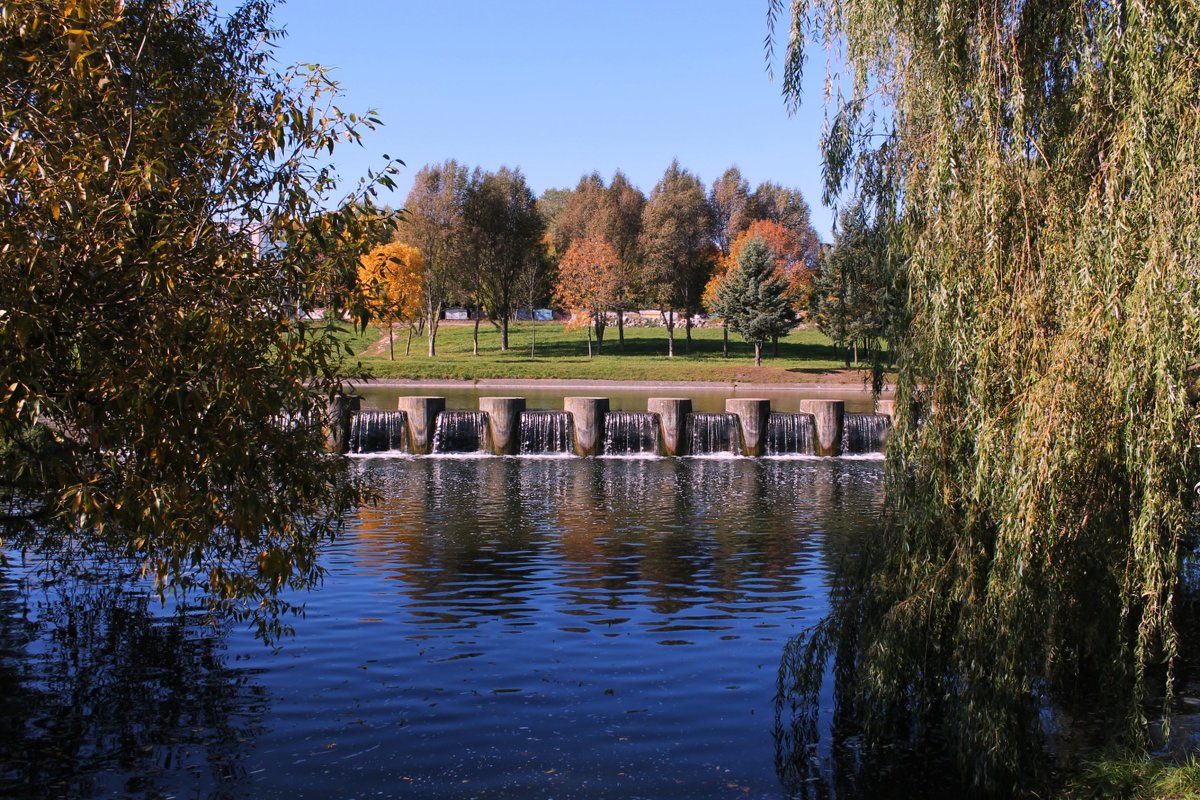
[390, 281]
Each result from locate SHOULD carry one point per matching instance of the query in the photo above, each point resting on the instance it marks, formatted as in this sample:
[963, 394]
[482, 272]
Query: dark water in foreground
[497, 627]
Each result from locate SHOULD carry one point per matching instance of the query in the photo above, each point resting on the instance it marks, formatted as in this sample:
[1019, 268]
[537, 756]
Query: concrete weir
[587, 413]
[422, 415]
[673, 416]
[504, 422]
[586, 426]
[752, 414]
[341, 413]
[828, 423]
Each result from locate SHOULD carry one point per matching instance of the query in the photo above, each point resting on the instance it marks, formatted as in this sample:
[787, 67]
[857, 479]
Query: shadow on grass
[700, 349]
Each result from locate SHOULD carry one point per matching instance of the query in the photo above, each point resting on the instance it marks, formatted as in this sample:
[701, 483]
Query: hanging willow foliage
[1039, 166]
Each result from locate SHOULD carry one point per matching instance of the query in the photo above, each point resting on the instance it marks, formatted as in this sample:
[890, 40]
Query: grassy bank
[545, 350]
[1132, 777]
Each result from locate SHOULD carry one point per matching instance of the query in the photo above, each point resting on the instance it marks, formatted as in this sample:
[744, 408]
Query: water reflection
[486, 537]
[501, 627]
[101, 697]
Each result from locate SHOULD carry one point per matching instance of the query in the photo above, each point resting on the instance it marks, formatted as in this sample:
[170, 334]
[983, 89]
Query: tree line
[469, 237]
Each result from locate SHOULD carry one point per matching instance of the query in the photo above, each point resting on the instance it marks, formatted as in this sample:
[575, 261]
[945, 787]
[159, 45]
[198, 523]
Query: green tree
[753, 298]
[731, 206]
[623, 211]
[852, 300]
[581, 213]
[433, 223]
[162, 217]
[550, 204]
[1035, 164]
[676, 243]
[502, 222]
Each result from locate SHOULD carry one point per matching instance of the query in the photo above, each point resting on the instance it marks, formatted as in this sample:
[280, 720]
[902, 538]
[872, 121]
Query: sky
[562, 88]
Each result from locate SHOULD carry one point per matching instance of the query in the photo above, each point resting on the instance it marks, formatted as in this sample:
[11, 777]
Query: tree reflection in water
[823, 751]
[527, 626]
[102, 695]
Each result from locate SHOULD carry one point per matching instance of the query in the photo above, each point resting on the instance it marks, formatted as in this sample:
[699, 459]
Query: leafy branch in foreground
[163, 213]
[1034, 164]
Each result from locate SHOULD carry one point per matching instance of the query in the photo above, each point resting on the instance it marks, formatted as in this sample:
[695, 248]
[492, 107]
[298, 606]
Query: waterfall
[790, 434]
[865, 433]
[713, 434]
[630, 433]
[546, 432]
[378, 432]
[460, 432]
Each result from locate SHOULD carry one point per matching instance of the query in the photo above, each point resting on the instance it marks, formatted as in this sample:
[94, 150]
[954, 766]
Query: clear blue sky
[560, 88]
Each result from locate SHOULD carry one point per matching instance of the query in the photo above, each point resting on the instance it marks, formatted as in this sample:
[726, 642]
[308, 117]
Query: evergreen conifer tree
[753, 298]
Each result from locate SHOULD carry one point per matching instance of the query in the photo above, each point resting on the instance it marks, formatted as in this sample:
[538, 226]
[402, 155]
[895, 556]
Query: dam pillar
[828, 421]
[504, 422]
[587, 416]
[341, 414]
[752, 414]
[672, 420]
[422, 415]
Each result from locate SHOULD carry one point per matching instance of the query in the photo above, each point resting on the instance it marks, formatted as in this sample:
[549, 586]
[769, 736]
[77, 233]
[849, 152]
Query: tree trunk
[408, 344]
[475, 336]
[758, 354]
[687, 328]
[725, 338]
[669, 319]
[856, 352]
[503, 332]
[601, 322]
[434, 313]
[391, 345]
[589, 333]
[621, 330]
[775, 345]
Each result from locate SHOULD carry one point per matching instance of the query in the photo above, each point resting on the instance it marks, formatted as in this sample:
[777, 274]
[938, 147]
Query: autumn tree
[754, 297]
[788, 208]
[165, 205]
[433, 223]
[390, 282]
[589, 283]
[612, 213]
[676, 243]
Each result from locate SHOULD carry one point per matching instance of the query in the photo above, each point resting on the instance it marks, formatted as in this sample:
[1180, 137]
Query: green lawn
[545, 351]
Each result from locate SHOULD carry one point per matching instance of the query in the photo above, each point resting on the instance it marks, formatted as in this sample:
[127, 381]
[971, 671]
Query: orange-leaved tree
[589, 282]
[390, 281]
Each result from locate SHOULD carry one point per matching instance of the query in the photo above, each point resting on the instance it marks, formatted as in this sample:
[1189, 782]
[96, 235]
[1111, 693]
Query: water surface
[495, 627]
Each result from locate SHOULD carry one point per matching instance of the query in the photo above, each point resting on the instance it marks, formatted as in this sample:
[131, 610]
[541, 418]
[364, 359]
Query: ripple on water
[558, 627]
